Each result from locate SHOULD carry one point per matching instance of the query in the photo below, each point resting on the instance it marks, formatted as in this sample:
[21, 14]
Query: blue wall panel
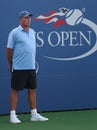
[63, 83]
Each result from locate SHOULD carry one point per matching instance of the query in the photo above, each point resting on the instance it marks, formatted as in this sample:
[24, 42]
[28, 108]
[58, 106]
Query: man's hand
[10, 68]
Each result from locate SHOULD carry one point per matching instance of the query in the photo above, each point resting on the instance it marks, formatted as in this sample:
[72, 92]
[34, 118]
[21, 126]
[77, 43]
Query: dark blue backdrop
[62, 84]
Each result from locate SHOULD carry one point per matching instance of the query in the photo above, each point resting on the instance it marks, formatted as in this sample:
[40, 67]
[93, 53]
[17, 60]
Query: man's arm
[9, 58]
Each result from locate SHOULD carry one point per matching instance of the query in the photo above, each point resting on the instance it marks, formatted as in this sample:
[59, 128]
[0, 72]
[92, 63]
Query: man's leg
[32, 101]
[13, 99]
[13, 104]
[32, 98]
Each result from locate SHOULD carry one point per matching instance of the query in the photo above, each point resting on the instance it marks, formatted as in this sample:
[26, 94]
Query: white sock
[12, 112]
[33, 111]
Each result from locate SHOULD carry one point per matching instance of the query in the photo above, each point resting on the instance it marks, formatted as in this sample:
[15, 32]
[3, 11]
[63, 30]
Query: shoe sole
[15, 122]
[38, 120]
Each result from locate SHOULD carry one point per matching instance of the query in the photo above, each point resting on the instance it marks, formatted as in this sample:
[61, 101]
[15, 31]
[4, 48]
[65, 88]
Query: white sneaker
[38, 117]
[14, 119]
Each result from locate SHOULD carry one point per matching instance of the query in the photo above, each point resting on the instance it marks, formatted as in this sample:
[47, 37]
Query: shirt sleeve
[11, 40]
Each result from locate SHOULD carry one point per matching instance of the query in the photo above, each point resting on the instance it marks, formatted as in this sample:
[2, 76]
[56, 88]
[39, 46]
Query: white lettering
[64, 38]
[52, 37]
[40, 42]
[73, 37]
[82, 36]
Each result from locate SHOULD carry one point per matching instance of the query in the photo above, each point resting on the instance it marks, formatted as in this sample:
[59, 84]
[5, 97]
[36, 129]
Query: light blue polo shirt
[23, 45]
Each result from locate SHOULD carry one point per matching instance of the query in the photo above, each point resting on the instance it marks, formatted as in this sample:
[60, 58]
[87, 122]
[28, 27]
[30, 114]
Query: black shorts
[23, 79]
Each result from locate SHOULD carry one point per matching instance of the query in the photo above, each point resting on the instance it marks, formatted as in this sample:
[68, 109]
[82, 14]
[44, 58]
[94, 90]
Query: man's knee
[32, 91]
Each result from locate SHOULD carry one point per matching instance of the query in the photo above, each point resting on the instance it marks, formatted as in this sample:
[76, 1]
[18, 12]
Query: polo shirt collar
[20, 28]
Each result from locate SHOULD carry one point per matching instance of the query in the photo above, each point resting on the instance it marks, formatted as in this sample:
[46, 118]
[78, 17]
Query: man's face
[26, 21]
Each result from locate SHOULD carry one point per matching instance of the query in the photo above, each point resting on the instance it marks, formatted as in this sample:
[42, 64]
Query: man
[21, 49]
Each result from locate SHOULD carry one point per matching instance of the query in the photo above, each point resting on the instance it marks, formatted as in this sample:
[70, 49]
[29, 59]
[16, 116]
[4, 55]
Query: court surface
[64, 120]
